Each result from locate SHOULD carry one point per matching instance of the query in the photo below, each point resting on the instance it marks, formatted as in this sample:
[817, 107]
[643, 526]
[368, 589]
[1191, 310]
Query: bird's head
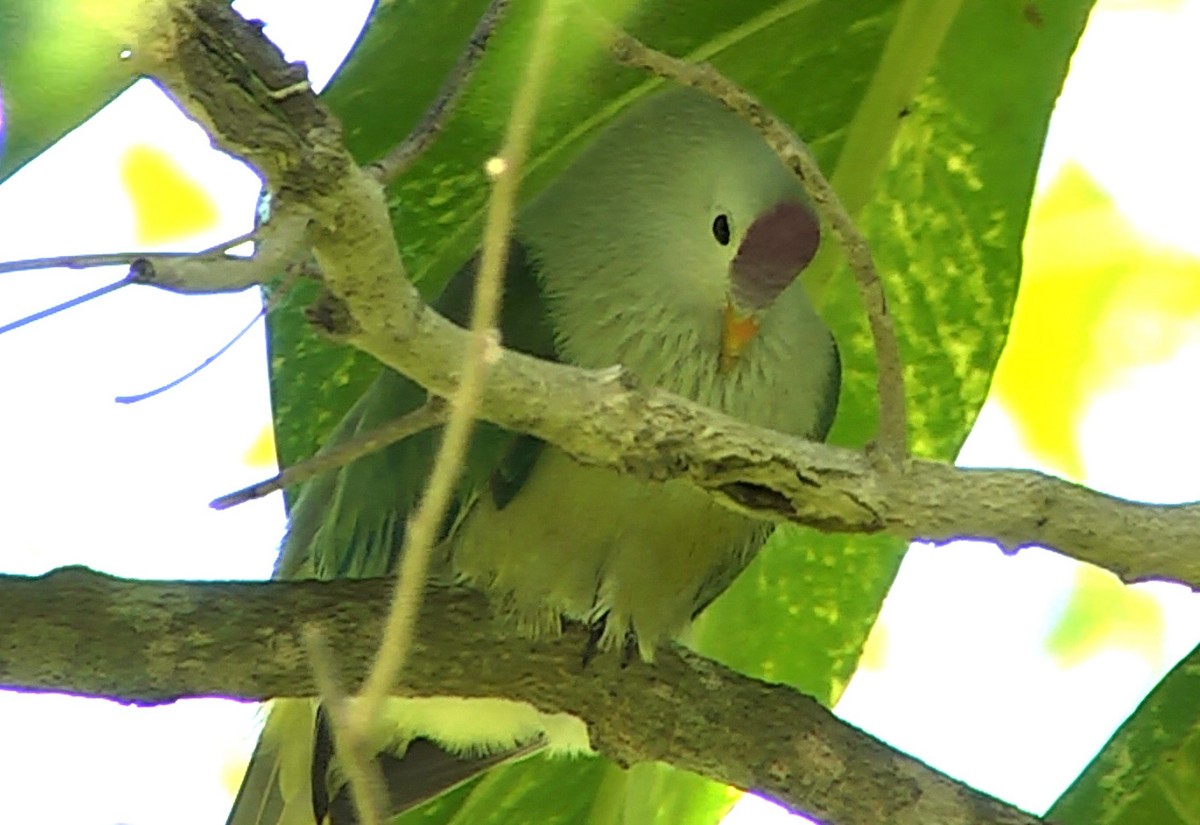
[669, 241]
[761, 229]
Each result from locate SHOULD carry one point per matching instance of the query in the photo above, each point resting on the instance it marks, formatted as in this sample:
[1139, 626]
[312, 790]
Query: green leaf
[945, 223]
[928, 115]
[1101, 613]
[60, 62]
[1148, 772]
[555, 791]
[658, 794]
[1084, 253]
[516, 793]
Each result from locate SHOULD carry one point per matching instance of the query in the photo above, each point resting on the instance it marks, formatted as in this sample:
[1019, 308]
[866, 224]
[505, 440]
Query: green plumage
[351, 524]
[634, 255]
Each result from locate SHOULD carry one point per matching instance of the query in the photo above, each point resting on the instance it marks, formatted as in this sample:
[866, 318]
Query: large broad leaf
[518, 793]
[60, 62]
[929, 118]
[945, 222]
[1148, 772]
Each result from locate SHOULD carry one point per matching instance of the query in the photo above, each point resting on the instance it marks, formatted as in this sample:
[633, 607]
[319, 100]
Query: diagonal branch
[430, 414]
[154, 642]
[602, 417]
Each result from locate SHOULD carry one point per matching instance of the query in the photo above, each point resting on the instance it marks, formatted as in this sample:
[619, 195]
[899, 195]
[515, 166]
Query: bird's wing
[350, 523]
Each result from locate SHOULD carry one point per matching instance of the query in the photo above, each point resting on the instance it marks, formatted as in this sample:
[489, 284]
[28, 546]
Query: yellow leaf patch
[168, 204]
[1102, 612]
[1096, 299]
[261, 453]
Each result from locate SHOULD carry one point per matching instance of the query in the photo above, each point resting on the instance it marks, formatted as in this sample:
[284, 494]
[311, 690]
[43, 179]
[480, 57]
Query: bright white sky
[125, 488]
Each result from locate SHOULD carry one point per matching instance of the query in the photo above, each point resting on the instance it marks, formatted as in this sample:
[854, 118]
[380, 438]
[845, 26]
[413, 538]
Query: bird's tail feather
[425, 771]
[277, 788]
[278, 785]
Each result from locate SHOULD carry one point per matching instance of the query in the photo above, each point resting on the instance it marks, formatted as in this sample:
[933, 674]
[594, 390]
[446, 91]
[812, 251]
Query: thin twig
[90, 261]
[280, 246]
[141, 269]
[144, 270]
[224, 246]
[422, 528]
[430, 414]
[73, 302]
[366, 783]
[133, 399]
[271, 300]
[892, 439]
[139, 263]
[400, 157]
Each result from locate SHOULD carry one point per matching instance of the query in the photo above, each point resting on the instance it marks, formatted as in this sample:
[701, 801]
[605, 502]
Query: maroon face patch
[776, 248]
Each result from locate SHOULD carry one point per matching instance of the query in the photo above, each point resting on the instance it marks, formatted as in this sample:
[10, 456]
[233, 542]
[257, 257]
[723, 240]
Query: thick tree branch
[147, 643]
[604, 418]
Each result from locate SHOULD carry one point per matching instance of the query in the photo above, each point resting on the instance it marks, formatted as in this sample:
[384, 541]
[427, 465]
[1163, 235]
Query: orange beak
[737, 330]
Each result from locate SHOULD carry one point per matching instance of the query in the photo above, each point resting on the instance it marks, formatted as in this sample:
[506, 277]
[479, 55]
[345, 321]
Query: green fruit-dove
[671, 246]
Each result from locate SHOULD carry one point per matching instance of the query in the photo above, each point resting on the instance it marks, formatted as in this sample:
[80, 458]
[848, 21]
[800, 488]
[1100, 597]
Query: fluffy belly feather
[587, 542]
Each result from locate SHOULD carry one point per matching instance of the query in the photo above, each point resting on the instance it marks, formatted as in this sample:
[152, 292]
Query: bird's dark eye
[721, 229]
